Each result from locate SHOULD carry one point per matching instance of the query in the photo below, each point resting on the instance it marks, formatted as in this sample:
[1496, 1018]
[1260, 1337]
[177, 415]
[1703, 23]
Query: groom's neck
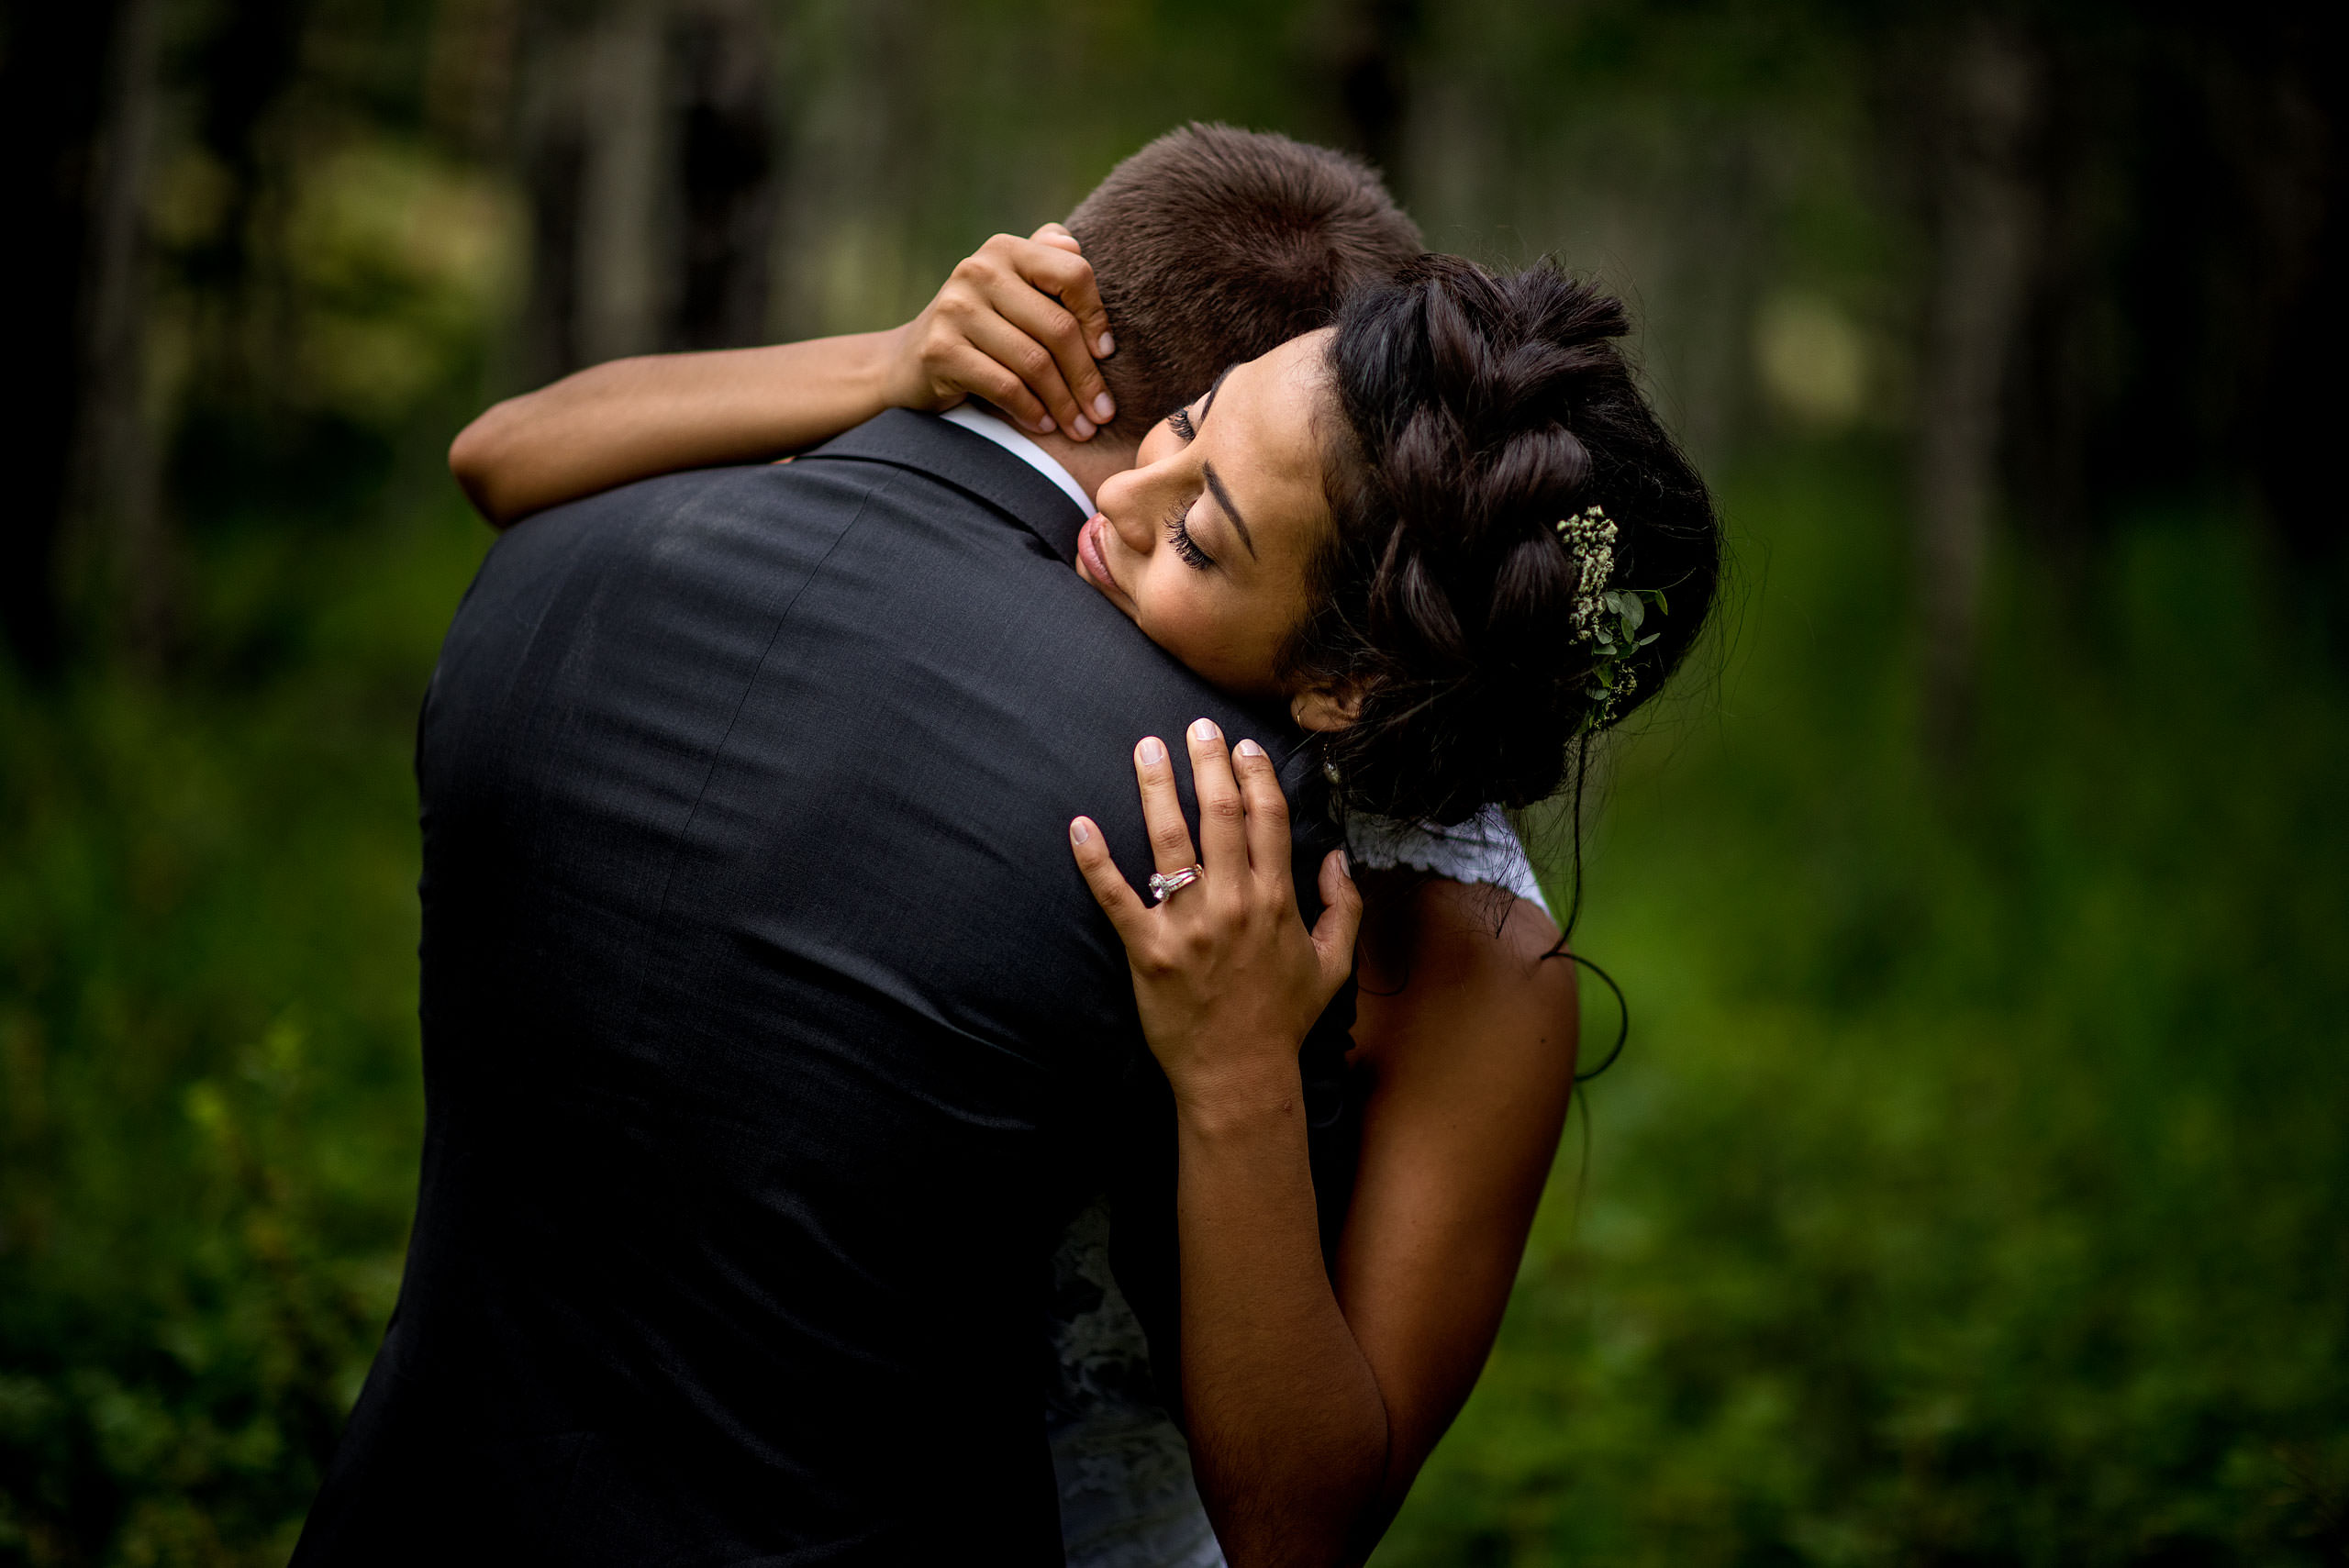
[1089, 462]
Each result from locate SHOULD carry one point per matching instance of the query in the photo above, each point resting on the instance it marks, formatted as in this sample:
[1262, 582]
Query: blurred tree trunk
[1983, 219]
[1376, 40]
[554, 157]
[650, 154]
[116, 499]
[2284, 116]
[53, 80]
[619, 208]
[245, 62]
[2062, 344]
[589, 152]
[729, 180]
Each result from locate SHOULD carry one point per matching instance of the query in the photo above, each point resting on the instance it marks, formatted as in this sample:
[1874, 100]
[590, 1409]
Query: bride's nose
[1122, 502]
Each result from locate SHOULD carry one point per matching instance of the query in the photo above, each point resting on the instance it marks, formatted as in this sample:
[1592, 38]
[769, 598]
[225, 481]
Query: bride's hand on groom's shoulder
[1019, 323]
[1226, 977]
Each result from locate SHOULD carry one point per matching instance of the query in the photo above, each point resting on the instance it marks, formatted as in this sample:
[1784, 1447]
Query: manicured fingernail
[1250, 749]
[1046, 425]
[1103, 407]
[1345, 866]
[1083, 428]
[1108, 345]
[1151, 751]
[1204, 729]
[1078, 832]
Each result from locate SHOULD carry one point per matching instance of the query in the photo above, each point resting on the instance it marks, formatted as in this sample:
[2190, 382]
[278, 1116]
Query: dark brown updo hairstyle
[1475, 411]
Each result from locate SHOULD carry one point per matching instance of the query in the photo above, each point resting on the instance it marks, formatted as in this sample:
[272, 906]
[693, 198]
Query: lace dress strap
[1482, 850]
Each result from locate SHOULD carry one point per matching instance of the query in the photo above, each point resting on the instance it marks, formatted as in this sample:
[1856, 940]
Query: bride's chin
[1118, 601]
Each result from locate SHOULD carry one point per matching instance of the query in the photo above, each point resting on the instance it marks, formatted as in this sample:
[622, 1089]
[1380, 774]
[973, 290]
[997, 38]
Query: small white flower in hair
[1590, 539]
[1609, 620]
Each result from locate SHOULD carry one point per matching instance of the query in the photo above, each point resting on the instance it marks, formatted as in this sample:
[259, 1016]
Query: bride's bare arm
[1469, 1035]
[1472, 1063]
[1019, 323]
[1310, 1410]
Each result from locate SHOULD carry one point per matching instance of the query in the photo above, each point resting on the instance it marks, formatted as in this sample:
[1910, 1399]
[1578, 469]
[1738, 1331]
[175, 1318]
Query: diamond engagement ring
[1165, 884]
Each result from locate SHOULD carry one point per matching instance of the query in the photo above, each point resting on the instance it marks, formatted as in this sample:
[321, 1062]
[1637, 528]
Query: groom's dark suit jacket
[770, 1035]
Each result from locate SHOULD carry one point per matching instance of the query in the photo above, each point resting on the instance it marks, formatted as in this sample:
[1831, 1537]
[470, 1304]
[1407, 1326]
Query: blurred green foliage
[210, 1106]
[1976, 1189]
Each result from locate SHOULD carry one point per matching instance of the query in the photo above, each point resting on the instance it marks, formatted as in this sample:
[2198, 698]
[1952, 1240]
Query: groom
[770, 1035]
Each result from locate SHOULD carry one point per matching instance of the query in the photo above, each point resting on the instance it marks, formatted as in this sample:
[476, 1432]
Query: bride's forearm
[1017, 323]
[1287, 1427]
[632, 418]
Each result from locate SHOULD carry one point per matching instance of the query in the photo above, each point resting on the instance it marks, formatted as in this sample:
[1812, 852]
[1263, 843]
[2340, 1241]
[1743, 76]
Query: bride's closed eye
[1177, 525]
[1178, 534]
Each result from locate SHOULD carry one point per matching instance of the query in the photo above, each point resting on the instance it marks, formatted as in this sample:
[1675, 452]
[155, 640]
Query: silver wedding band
[1164, 884]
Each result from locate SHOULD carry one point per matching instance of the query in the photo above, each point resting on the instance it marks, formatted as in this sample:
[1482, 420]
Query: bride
[1448, 533]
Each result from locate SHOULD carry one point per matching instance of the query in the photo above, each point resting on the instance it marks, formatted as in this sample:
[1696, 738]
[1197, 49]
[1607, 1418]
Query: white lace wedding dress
[1127, 1498]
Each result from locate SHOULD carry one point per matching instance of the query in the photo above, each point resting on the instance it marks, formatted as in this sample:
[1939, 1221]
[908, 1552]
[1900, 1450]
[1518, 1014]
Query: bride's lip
[1095, 559]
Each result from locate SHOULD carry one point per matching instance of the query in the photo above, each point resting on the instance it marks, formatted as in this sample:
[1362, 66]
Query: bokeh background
[1975, 1189]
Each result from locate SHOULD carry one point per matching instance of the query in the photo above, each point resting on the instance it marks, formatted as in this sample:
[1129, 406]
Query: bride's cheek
[1206, 637]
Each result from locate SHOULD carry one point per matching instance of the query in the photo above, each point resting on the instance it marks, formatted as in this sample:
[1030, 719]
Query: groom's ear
[1324, 709]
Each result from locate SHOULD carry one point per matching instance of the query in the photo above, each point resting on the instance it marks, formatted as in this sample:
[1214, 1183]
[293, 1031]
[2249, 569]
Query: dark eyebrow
[1223, 498]
[1215, 480]
[1210, 402]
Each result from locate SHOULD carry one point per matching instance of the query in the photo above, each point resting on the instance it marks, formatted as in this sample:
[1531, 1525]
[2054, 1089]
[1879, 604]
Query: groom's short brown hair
[1213, 245]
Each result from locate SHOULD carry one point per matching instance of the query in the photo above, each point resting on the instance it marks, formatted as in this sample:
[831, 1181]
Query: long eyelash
[1180, 423]
[1178, 534]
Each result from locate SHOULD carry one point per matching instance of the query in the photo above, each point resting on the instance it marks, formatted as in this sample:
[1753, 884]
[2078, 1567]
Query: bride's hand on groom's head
[1019, 323]
[1226, 975]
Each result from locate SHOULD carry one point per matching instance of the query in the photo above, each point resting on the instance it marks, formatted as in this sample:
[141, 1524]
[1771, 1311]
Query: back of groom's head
[1213, 245]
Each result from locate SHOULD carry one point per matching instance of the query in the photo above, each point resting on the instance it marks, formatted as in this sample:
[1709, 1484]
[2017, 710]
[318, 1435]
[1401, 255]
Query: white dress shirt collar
[982, 420]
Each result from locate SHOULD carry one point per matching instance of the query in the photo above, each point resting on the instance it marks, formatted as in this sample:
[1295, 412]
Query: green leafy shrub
[209, 1101]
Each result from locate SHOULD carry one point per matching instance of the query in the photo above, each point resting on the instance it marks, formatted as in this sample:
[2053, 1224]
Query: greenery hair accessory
[1609, 620]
